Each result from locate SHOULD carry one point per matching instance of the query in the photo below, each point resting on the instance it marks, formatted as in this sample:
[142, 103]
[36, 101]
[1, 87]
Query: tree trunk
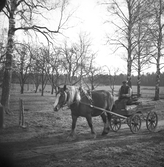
[22, 88]
[139, 67]
[36, 80]
[36, 88]
[52, 90]
[159, 52]
[129, 72]
[92, 87]
[42, 91]
[157, 83]
[139, 84]
[6, 84]
[52, 83]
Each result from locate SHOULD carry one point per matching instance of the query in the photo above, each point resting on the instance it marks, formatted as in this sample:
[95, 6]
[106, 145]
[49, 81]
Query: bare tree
[39, 67]
[22, 62]
[2, 55]
[71, 63]
[127, 12]
[3, 46]
[76, 58]
[142, 51]
[42, 58]
[92, 72]
[156, 27]
[23, 13]
[86, 57]
[112, 73]
[55, 63]
[34, 68]
[93, 78]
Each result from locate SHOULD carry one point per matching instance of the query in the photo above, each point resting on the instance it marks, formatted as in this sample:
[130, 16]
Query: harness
[67, 96]
[89, 97]
[86, 94]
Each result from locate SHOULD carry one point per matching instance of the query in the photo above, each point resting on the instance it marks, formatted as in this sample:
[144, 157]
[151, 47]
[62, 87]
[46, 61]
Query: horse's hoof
[71, 137]
[94, 136]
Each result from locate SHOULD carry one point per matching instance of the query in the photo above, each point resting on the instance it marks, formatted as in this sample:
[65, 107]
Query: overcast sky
[89, 17]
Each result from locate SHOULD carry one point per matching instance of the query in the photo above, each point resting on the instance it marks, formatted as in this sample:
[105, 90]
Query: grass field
[146, 91]
[44, 140]
[34, 103]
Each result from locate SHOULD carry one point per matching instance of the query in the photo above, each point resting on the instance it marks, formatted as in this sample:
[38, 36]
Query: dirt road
[45, 142]
[115, 150]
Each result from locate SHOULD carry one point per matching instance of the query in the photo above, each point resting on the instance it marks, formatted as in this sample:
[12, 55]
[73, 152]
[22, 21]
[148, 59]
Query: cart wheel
[135, 123]
[115, 123]
[151, 121]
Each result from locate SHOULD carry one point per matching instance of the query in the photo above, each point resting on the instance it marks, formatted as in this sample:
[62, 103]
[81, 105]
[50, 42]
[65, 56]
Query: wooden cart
[133, 115]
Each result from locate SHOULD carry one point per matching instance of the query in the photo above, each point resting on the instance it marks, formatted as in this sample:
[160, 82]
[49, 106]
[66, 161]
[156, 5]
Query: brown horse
[84, 105]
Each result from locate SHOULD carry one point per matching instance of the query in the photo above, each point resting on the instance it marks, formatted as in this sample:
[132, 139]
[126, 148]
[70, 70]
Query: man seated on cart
[124, 96]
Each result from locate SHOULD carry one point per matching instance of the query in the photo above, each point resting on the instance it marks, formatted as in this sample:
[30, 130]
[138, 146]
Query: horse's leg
[74, 120]
[109, 116]
[106, 123]
[89, 120]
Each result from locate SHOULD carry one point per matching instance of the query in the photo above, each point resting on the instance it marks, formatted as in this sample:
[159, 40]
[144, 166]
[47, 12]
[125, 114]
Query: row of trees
[140, 34]
[30, 17]
[42, 64]
[139, 30]
[98, 80]
[146, 79]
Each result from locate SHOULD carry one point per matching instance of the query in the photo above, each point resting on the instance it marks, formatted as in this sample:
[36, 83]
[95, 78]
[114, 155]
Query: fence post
[1, 116]
[20, 111]
[21, 114]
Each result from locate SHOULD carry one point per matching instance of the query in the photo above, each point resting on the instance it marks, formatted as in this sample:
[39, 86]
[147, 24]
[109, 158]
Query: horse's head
[61, 98]
[66, 95]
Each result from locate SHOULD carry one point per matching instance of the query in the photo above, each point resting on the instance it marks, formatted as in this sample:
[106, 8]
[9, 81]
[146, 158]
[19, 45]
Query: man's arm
[129, 94]
[119, 92]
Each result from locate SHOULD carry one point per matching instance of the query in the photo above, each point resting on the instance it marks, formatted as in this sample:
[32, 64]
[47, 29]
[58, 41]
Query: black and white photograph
[81, 83]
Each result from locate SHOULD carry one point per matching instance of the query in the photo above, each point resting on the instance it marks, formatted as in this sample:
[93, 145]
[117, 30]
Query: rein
[67, 95]
[66, 99]
[92, 106]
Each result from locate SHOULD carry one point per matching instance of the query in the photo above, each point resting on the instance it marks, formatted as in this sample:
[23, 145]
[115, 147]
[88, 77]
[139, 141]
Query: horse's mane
[85, 93]
[74, 94]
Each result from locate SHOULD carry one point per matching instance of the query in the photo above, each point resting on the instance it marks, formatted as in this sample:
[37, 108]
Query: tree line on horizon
[100, 79]
[146, 79]
[138, 30]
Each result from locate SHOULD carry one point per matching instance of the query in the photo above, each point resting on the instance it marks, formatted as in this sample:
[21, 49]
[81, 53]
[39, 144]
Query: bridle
[66, 97]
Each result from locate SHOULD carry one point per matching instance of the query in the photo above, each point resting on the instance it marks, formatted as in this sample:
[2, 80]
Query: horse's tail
[110, 101]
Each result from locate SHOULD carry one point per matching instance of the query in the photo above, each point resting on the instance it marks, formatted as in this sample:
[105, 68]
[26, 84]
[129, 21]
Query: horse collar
[67, 96]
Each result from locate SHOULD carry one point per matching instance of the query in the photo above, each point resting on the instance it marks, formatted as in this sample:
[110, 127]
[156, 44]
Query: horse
[85, 104]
